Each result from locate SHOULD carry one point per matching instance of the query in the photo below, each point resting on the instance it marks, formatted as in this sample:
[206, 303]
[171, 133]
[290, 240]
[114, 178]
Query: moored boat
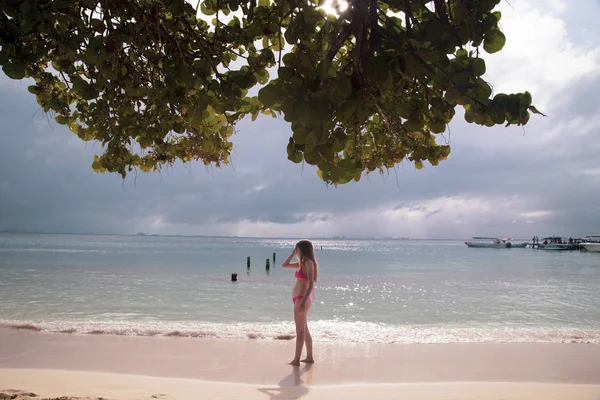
[489, 242]
[591, 244]
[556, 243]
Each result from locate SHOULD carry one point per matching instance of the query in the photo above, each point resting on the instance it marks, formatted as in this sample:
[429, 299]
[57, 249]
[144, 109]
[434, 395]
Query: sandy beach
[119, 367]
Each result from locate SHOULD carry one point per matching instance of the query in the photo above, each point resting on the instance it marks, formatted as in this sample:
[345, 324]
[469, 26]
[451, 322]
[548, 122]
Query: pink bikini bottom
[296, 298]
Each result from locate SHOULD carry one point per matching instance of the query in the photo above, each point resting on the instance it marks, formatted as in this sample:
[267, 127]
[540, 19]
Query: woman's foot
[295, 363]
[308, 360]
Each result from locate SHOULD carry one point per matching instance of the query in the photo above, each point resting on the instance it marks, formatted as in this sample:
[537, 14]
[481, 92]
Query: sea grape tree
[363, 88]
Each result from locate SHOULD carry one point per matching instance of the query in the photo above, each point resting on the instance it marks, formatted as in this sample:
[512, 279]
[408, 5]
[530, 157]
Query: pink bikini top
[299, 274]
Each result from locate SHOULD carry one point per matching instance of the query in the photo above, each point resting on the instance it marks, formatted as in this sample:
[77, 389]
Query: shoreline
[324, 331]
[56, 366]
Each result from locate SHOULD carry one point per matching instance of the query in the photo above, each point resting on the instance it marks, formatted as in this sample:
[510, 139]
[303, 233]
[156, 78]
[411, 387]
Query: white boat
[557, 246]
[590, 245]
[556, 243]
[489, 242]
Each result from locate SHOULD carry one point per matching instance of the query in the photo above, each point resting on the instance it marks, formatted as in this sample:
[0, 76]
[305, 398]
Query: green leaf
[269, 95]
[85, 134]
[526, 100]
[321, 175]
[207, 10]
[415, 122]
[494, 41]
[61, 119]
[294, 154]
[483, 90]
[470, 116]
[535, 110]
[262, 77]
[277, 43]
[285, 73]
[379, 70]
[437, 126]
[44, 96]
[14, 70]
[478, 66]
[301, 135]
[290, 37]
[461, 53]
[497, 112]
[312, 16]
[453, 96]
[178, 128]
[445, 150]
[196, 118]
[97, 166]
[340, 89]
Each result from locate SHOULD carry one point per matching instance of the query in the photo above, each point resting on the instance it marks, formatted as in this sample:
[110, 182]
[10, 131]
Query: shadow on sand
[292, 386]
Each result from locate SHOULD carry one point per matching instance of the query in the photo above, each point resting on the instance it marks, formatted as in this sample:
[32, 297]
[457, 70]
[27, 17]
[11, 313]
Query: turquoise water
[369, 290]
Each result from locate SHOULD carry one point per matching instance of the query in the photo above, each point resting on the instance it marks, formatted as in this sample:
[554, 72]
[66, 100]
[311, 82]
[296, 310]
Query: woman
[307, 272]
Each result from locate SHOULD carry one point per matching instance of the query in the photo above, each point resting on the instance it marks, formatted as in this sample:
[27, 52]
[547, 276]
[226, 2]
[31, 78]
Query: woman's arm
[287, 264]
[309, 271]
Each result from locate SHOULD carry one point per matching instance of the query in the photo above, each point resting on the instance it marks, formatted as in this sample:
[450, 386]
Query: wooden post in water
[233, 277]
[248, 262]
[273, 259]
[268, 265]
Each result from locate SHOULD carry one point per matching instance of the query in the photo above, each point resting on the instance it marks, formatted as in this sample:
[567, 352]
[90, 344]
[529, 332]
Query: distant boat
[524, 245]
[556, 243]
[489, 242]
[591, 246]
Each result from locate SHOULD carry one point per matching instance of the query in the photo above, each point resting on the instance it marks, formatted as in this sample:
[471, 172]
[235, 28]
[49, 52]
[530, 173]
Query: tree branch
[374, 26]
[359, 20]
[335, 47]
[385, 117]
[408, 17]
[440, 9]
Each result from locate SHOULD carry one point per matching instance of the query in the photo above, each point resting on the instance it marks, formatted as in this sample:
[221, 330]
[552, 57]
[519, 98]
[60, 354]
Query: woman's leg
[308, 339]
[300, 320]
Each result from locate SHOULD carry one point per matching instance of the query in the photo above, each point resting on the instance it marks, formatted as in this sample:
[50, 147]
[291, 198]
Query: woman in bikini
[307, 272]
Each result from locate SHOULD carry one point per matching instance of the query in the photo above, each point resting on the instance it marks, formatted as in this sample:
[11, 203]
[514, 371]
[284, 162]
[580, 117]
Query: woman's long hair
[308, 253]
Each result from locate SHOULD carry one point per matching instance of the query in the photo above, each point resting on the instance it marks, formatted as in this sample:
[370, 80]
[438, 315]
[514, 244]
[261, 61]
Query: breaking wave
[323, 330]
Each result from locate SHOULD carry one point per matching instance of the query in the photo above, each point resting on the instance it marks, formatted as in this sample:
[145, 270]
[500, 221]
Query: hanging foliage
[160, 80]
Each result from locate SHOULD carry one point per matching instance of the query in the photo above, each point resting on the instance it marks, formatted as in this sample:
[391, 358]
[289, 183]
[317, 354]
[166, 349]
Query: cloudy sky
[541, 180]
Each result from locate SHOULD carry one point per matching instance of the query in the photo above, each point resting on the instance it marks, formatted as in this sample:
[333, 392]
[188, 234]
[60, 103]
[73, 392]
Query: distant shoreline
[382, 239]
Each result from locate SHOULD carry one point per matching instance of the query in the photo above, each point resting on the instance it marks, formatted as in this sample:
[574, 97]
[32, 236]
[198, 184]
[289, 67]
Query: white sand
[55, 383]
[54, 365]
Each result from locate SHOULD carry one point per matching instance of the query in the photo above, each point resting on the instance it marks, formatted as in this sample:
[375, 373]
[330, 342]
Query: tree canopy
[160, 80]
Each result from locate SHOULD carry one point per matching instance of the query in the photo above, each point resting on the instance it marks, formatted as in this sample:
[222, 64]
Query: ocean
[378, 291]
